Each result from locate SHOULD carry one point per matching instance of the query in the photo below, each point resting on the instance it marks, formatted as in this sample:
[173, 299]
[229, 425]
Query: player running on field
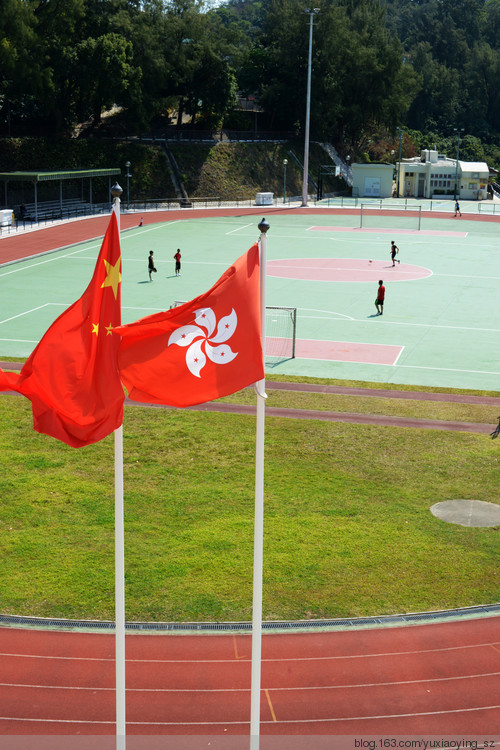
[394, 252]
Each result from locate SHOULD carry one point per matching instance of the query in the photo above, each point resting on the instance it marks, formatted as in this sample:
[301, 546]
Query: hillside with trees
[431, 67]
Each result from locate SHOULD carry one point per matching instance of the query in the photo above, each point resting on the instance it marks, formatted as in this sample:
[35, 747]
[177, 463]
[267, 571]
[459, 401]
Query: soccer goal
[281, 327]
[281, 330]
[390, 216]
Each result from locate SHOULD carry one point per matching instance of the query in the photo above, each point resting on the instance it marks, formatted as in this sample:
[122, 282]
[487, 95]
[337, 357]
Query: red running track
[27, 244]
[433, 679]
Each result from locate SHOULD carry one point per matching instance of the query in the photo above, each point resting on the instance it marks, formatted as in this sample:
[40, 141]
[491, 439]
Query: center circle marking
[345, 269]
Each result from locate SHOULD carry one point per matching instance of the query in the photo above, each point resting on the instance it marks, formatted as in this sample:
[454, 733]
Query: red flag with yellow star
[72, 377]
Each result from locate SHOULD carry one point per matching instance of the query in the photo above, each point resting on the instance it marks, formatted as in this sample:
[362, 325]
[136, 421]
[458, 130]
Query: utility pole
[399, 160]
[312, 12]
[458, 131]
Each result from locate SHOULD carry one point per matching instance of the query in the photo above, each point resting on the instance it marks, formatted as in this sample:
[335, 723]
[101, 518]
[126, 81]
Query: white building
[434, 175]
[372, 180]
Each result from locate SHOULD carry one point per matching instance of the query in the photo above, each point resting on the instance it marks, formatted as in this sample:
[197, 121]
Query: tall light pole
[128, 176]
[399, 160]
[458, 131]
[312, 12]
[285, 162]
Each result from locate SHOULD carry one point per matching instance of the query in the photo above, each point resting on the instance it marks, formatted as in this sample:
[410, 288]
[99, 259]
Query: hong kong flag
[202, 350]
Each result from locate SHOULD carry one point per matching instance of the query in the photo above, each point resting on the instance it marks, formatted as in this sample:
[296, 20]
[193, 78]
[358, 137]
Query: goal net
[281, 328]
[387, 216]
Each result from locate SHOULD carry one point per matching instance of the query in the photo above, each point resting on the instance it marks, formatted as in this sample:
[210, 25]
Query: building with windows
[433, 175]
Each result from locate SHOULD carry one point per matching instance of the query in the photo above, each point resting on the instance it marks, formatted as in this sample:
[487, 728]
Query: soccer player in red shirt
[177, 258]
[379, 302]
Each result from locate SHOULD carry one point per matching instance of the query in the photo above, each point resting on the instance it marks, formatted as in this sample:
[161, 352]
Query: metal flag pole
[116, 192]
[258, 550]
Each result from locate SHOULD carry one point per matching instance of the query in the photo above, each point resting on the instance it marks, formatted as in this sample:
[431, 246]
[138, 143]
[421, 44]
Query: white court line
[49, 260]
[328, 312]
[398, 323]
[143, 230]
[401, 350]
[407, 367]
[184, 262]
[26, 312]
[449, 369]
[239, 229]
[20, 341]
[464, 276]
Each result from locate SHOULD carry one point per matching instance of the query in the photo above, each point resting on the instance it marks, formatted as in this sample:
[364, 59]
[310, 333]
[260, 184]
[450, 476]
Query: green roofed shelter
[52, 176]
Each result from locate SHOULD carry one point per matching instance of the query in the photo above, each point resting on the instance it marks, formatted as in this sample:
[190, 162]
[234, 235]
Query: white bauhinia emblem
[205, 343]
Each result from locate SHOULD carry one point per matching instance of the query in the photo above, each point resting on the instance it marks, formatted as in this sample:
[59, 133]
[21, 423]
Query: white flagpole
[258, 551]
[116, 191]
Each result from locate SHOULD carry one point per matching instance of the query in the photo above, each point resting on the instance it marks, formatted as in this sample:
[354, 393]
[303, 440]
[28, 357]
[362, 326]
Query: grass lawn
[348, 530]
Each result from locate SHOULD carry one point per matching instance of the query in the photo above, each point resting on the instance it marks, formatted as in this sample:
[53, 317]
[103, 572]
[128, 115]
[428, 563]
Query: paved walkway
[352, 417]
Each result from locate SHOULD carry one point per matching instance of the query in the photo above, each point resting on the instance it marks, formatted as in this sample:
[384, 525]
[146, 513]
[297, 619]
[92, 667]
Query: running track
[417, 680]
[420, 680]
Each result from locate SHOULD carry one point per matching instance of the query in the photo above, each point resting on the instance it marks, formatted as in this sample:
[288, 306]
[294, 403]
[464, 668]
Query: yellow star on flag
[113, 276]
[109, 330]
[95, 328]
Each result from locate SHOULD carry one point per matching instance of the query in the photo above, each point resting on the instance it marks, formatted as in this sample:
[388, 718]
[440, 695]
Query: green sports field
[440, 322]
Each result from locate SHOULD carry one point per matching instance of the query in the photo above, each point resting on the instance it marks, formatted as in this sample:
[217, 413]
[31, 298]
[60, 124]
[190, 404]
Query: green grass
[348, 530]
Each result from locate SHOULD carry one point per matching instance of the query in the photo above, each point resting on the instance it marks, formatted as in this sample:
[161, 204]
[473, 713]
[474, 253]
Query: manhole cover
[468, 512]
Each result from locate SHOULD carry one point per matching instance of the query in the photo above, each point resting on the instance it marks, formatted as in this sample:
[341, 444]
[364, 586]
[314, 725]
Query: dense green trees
[454, 47]
[428, 65]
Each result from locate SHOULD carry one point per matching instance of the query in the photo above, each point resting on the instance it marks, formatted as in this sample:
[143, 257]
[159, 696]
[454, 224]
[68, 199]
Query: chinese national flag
[72, 377]
[202, 350]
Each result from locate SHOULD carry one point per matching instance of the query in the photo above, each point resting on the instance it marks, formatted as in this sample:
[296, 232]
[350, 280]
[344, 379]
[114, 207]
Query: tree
[21, 72]
[437, 102]
[58, 28]
[106, 73]
[358, 77]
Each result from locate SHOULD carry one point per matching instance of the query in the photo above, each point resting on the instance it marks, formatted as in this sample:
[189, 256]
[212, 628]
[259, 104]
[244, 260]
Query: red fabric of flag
[72, 377]
[202, 350]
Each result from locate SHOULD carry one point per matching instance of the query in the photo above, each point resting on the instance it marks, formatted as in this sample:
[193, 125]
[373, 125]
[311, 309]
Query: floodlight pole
[312, 12]
[458, 131]
[399, 159]
[128, 176]
[285, 162]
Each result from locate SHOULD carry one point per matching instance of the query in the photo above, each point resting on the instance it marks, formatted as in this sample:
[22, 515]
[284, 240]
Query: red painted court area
[347, 351]
[414, 680]
[344, 269]
[337, 351]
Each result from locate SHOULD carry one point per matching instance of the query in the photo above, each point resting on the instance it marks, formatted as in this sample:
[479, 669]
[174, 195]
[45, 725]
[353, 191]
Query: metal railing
[173, 135]
[46, 217]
